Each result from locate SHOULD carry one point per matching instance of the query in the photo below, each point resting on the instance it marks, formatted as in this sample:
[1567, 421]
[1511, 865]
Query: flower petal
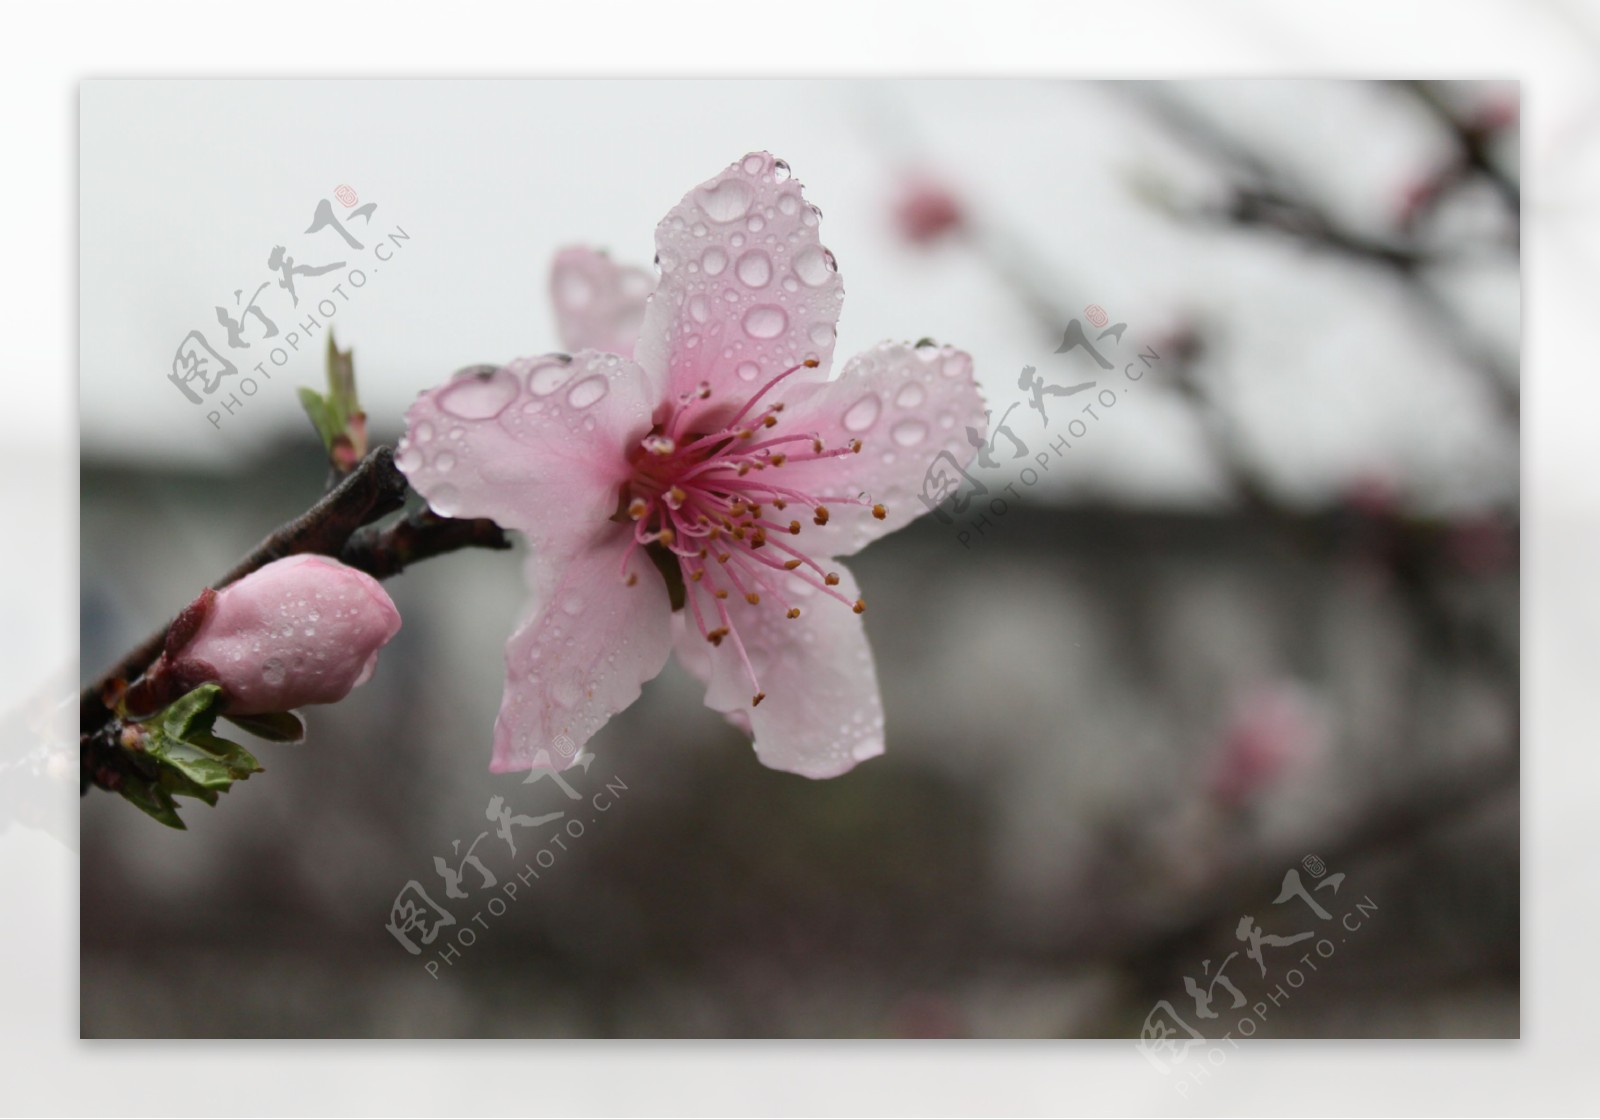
[599, 303]
[912, 408]
[582, 656]
[538, 445]
[747, 290]
[821, 712]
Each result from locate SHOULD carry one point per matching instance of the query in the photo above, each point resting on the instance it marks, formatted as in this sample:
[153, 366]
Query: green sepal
[274, 726]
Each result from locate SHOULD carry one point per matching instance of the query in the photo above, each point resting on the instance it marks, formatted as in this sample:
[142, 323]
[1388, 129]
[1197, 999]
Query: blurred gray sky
[187, 187]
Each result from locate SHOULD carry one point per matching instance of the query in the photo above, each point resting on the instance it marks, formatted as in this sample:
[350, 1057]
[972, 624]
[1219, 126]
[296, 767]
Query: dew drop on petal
[780, 171]
[728, 201]
[547, 378]
[748, 370]
[479, 398]
[811, 265]
[444, 462]
[753, 164]
[908, 433]
[699, 309]
[910, 395]
[408, 459]
[765, 321]
[957, 364]
[714, 261]
[587, 391]
[788, 205]
[423, 432]
[821, 333]
[862, 414]
[445, 500]
[754, 269]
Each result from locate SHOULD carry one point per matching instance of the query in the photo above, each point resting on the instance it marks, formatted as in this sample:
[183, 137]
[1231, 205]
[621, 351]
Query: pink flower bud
[304, 629]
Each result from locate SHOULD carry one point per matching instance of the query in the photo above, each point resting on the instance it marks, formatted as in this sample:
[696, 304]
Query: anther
[855, 446]
[794, 612]
[831, 578]
[755, 700]
[794, 530]
[821, 515]
[637, 508]
[753, 599]
[861, 606]
[790, 565]
[880, 512]
[632, 579]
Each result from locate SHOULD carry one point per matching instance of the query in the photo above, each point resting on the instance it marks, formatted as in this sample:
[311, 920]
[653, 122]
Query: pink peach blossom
[301, 630]
[599, 303]
[926, 209]
[718, 463]
[1274, 727]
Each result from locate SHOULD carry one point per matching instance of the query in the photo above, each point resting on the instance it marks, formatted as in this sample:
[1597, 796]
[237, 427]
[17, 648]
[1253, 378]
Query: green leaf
[152, 799]
[181, 756]
[322, 417]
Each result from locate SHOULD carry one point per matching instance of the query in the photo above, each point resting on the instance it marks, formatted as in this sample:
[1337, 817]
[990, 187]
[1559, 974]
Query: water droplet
[479, 398]
[863, 413]
[408, 459]
[445, 500]
[748, 370]
[587, 391]
[821, 333]
[736, 240]
[573, 605]
[698, 229]
[765, 321]
[699, 309]
[947, 421]
[910, 395]
[754, 269]
[422, 432]
[812, 265]
[756, 223]
[780, 170]
[714, 261]
[444, 462]
[547, 378]
[754, 164]
[564, 692]
[728, 201]
[273, 672]
[789, 205]
[908, 433]
[957, 364]
[791, 284]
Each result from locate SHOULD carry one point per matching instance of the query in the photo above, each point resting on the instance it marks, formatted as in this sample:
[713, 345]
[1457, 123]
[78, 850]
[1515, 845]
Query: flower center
[710, 492]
